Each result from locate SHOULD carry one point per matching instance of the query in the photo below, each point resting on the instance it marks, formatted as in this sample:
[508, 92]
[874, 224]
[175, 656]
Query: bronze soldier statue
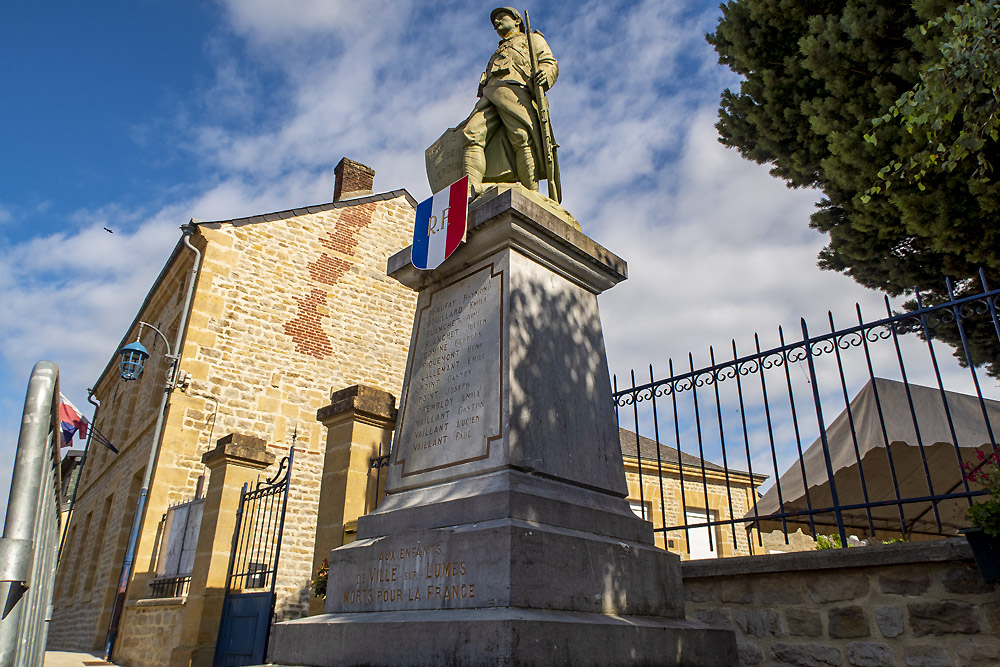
[506, 138]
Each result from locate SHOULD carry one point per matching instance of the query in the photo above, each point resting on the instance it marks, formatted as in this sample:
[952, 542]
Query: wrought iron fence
[376, 480]
[248, 605]
[260, 523]
[170, 587]
[30, 544]
[857, 430]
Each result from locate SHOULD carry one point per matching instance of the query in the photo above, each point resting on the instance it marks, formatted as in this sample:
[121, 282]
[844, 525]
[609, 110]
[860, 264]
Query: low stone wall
[150, 629]
[919, 605]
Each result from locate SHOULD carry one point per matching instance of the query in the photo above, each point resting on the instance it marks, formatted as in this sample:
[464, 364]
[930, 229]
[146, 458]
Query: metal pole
[154, 449]
[18, 546]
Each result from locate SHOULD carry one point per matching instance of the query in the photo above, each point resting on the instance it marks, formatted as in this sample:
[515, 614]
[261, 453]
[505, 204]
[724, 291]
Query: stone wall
[921, 605]
[151, 633]
[298, 306]
[98, 530]
[287, 306]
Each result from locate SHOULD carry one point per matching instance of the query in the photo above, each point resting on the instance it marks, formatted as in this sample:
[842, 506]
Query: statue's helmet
[508, 10]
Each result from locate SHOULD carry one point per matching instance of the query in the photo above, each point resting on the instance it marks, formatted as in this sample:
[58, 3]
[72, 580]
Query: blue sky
[136, 116]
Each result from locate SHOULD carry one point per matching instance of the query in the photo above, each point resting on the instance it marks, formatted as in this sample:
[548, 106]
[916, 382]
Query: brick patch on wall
[306, 328]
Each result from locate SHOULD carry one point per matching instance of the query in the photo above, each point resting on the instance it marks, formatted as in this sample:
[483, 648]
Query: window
[181, 525]
[641, 510]
[703, 542]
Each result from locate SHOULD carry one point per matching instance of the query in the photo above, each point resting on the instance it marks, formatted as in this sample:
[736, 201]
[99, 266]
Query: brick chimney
[352, 179]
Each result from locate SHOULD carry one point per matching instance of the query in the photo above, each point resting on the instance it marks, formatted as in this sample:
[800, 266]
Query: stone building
[294, 331]
[286, 306]
[654, 492]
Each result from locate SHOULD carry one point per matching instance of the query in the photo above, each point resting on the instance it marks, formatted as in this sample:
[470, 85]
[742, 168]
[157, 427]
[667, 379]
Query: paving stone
[758, 622]
[737, 591]
[718, 618]
[806, 655]
[848, 622]
[889, 621]
[749, 654]
[804, 622]
[780, 590]
[978, 652]
[926, 655]
[699, 591]
[870, 654]
[942, 618]
[905, 581]
[964, 580]
[836, 588]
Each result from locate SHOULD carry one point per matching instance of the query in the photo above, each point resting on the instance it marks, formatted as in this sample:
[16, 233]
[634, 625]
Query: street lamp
[133, 358]
[134, 355]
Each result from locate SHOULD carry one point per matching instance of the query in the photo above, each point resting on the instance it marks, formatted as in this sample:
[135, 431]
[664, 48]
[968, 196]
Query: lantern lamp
[133, 357]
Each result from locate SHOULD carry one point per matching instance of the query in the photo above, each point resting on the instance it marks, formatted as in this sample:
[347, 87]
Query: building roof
[648, 447]
[319, 208]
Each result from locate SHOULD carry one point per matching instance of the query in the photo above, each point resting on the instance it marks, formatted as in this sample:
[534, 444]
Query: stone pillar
[236, 460]
[359, 422]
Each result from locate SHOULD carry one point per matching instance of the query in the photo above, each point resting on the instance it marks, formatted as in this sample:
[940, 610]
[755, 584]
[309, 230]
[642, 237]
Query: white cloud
[717, 249]
[273, 22]
[720, 253]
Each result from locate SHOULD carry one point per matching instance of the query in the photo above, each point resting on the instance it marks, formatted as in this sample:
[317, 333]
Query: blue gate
[248, 607]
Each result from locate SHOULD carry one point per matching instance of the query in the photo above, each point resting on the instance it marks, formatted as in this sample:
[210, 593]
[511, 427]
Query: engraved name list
[453, 396]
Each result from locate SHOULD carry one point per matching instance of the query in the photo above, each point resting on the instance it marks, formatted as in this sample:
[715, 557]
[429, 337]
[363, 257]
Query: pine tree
[820, 76]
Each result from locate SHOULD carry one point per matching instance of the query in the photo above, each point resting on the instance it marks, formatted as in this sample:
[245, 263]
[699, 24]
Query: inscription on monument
[417, 576]
[452, 403]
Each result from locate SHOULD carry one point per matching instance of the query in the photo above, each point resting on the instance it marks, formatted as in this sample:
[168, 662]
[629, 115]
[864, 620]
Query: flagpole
[76, 483]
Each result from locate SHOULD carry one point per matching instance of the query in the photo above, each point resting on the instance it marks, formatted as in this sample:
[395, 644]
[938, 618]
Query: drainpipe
[174, 355]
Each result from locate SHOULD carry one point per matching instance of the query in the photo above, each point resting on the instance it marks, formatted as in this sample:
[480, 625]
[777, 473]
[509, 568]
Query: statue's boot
[475, 167]
[526, 168]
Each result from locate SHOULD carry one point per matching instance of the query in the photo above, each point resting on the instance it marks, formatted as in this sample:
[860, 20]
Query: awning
[917, 444]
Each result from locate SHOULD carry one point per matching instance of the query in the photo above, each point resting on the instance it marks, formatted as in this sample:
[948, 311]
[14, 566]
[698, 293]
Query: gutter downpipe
[154, 451]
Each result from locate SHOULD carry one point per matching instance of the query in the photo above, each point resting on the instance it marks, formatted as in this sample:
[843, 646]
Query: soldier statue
[507, 138]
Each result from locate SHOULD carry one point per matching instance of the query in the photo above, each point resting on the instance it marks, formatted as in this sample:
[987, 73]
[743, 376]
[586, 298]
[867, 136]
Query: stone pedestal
[505, 537]
[236, 460]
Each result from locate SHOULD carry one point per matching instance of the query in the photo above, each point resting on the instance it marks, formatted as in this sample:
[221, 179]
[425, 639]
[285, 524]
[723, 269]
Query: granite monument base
[502, 637]
[505, 537]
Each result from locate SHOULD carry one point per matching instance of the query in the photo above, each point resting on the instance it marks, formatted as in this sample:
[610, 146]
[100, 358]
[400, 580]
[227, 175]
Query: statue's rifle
[549, 144]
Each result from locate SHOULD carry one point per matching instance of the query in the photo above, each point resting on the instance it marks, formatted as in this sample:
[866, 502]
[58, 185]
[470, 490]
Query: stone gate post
[237, 459]
[360, 421]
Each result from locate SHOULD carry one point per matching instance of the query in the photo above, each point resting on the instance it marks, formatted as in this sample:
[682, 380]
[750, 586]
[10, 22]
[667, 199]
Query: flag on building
[440, 226]
[72, 421]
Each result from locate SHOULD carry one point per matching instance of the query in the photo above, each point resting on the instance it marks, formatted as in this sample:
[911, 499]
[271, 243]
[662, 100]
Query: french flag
[440, 225]
[72, 421]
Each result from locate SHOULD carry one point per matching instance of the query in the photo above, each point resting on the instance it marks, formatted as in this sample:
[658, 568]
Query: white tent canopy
[918, 444]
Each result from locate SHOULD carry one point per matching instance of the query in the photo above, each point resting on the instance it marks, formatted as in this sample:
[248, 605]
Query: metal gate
[248, 606]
